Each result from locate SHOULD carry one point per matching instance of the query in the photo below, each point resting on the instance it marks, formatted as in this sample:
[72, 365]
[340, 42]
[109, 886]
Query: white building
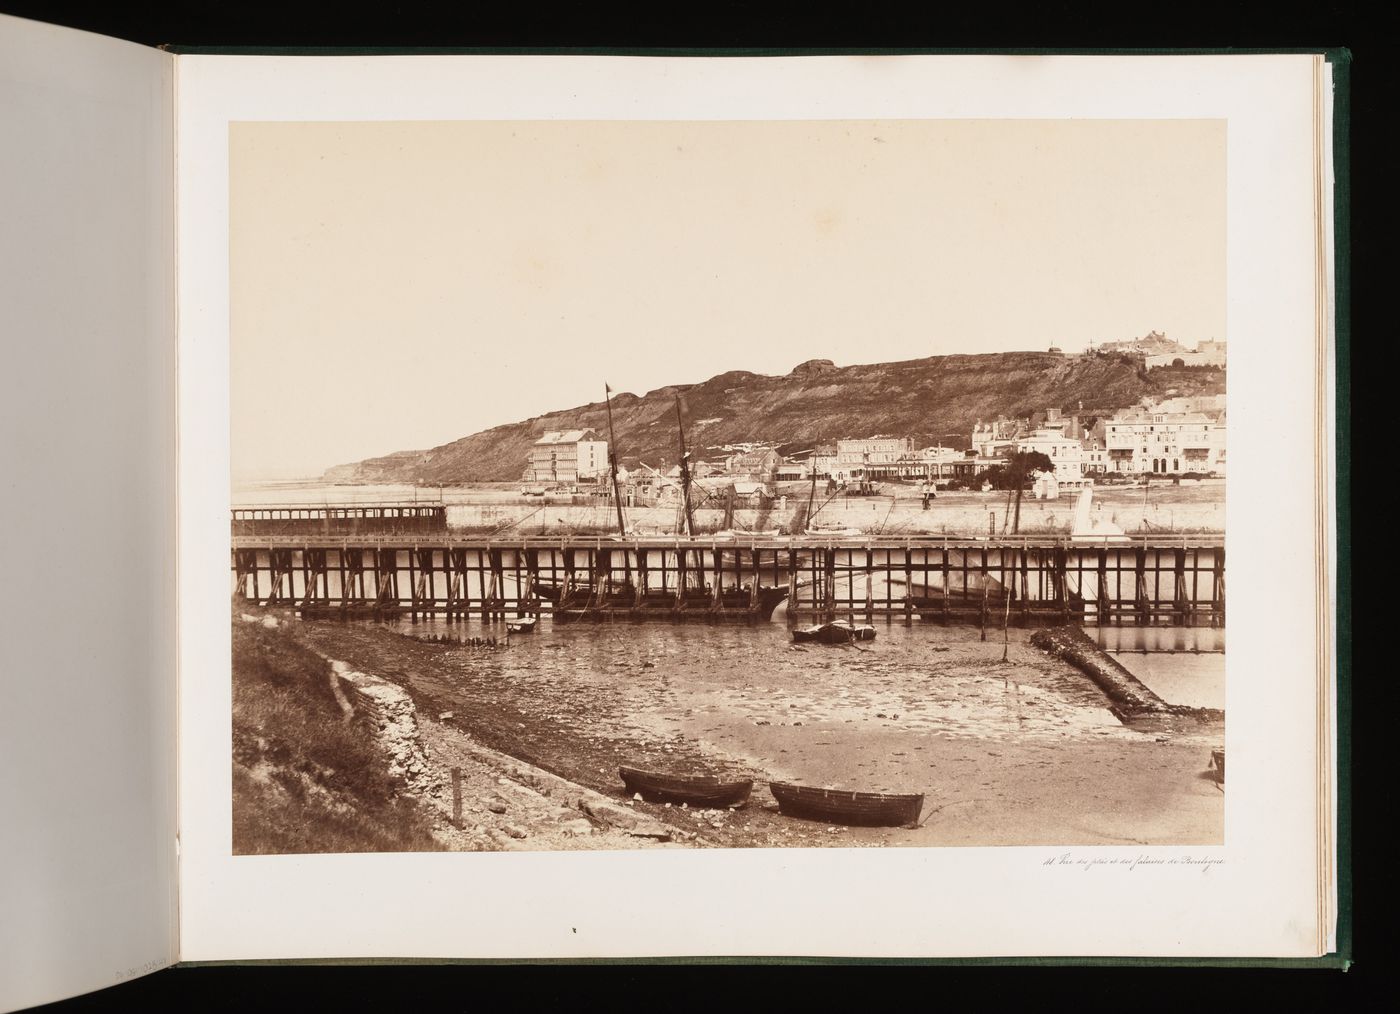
[1045, 486]
[1065, 452]
[1155, 440]
[1095, 461]
[568, 456]
[877, 455]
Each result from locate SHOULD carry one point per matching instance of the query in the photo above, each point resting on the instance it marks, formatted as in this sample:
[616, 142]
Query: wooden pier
[1148, 581]
[341, 519]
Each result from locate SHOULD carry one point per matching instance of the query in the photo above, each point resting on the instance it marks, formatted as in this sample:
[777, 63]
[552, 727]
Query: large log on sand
[1130, 696]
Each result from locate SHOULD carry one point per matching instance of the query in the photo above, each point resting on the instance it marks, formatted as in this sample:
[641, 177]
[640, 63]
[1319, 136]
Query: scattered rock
[516, 832]
[496, 806]
[655, 835]
[607, 813]
[447, 716]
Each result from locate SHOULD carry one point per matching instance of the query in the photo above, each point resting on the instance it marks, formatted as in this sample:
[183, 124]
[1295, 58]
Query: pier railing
[299, 521]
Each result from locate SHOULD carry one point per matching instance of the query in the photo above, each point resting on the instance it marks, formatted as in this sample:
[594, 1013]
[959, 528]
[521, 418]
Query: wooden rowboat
[521, 626]
[837, 632]
[694, 790]
[837, 806]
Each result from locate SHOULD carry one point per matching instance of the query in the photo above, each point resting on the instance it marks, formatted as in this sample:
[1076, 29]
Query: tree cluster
[1017, 473]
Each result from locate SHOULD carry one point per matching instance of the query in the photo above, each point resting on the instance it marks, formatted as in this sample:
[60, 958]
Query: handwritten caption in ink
[1072, 860]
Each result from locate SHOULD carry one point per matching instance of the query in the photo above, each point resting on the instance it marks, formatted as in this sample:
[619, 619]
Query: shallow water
[734, 686]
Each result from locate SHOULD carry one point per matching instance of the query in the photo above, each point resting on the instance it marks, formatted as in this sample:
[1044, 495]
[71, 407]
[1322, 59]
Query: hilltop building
[1208, 353]
[567, 456]
[1155, 343]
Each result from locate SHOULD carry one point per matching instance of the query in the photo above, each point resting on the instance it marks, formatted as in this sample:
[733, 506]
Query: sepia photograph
[622, 485]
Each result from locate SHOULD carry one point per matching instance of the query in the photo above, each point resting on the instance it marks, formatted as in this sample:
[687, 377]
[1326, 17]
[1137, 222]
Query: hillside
[928, 399]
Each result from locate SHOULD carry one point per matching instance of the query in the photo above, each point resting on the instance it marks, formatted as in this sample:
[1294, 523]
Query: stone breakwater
[1130, 698]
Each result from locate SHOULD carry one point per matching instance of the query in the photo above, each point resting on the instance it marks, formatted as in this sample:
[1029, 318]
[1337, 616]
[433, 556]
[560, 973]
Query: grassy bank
[308, 776]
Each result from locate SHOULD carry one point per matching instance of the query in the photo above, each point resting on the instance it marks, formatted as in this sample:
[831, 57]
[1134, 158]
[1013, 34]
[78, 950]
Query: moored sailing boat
[603, 596]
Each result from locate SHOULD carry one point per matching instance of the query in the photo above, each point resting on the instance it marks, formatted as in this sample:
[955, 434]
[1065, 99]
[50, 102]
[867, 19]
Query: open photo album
[520, 507]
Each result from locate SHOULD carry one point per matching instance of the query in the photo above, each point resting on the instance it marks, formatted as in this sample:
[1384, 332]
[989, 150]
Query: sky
[397, 285]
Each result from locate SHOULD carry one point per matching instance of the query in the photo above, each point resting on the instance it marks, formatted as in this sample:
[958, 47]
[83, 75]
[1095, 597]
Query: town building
[1152, 439]
[947, 463]
[794, 471]
[1095, 461]
[1065, 452]
[997, 439]
[568, 456]
[825, 461]
[869, 457]
[760, 465]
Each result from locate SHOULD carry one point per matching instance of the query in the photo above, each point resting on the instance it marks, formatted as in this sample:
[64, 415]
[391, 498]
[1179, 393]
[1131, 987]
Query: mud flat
[1022, 752]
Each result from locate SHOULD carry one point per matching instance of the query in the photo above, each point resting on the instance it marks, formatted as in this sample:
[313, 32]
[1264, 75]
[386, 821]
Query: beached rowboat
[695, 790]
[837, 806]
[521, 626]
[837, 632]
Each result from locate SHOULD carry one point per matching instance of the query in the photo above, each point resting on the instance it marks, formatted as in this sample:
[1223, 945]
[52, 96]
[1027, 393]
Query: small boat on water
[693, 790]
[838, 806]
[525, 625]
[836, 632]
[834, 533]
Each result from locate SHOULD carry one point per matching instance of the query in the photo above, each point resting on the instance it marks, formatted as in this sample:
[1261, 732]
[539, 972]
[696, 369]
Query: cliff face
[927, 399]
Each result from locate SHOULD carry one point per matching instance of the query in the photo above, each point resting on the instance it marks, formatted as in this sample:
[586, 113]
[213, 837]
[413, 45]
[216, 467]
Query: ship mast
[612, 463]
[685, 473]
[813, 497]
